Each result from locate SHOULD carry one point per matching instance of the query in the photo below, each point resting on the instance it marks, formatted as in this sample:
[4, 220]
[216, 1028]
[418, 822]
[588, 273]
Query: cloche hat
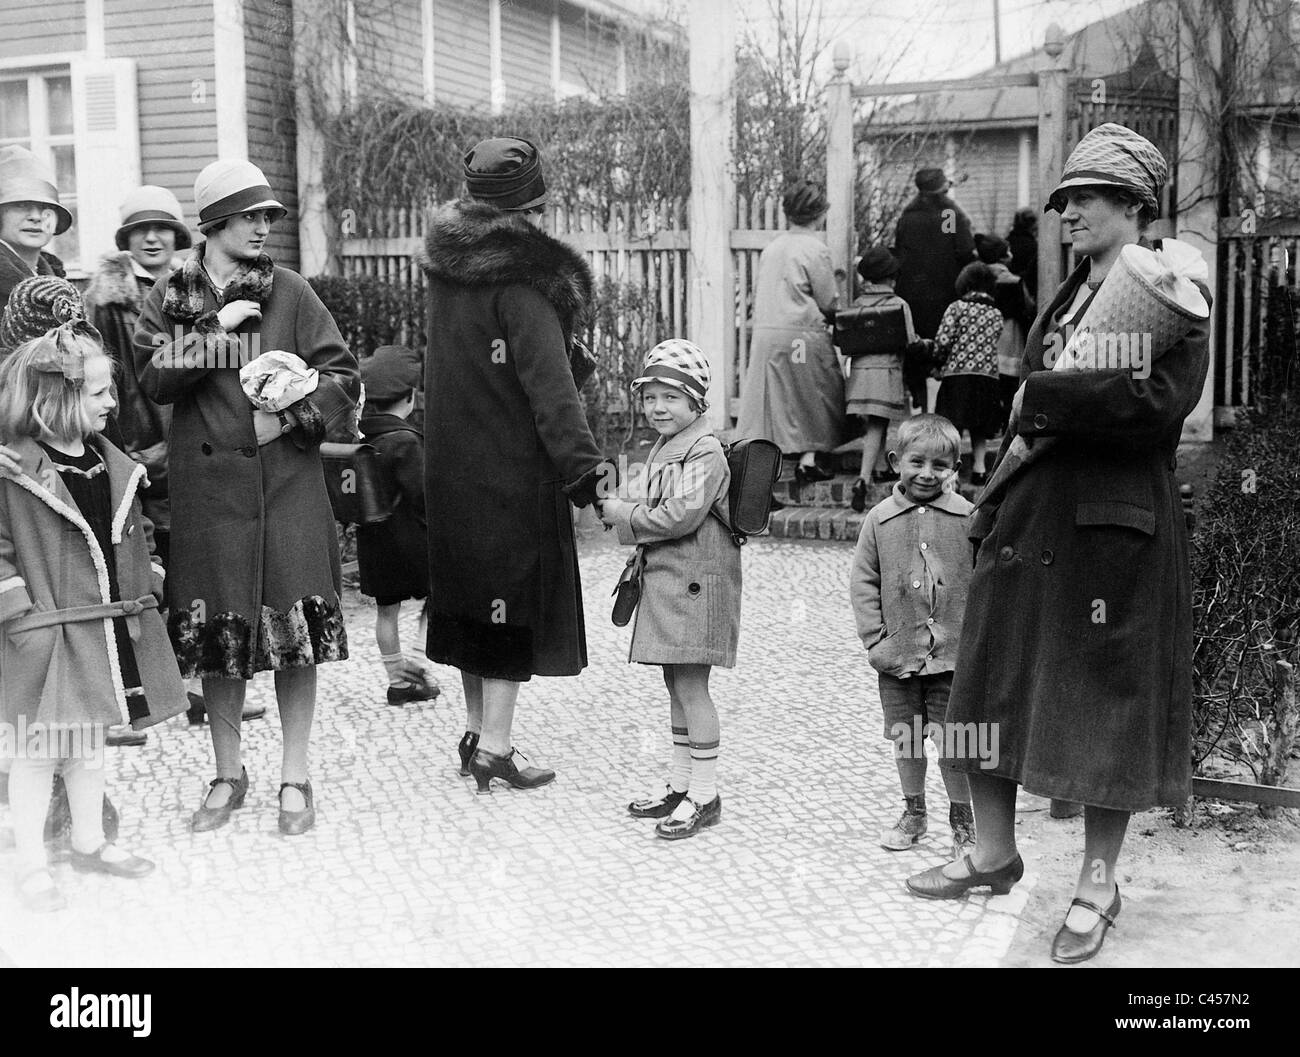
[152, 205]
[506, 173]
[227, 188]
[1112, 155]
[23, 178]
[681, 364]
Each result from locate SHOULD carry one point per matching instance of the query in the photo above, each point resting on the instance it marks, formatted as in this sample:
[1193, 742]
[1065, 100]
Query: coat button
[694, 588]
[920, 510]
[248, 450]
[1047, 557]
[916, 583]
[925, 546]
[929, 620]
[1040, 421]
[1007, 553]
[206, 448]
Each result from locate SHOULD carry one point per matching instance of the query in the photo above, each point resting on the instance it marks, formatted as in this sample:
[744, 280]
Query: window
[36, 113]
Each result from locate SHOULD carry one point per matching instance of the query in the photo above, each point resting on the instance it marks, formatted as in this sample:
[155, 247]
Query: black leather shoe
[858, 502]
[702, 816]
[658, 806]
[123, 734]
[1070, 947]
[209, 818]
[293, 823]
[933, 884]
[804, 475]
[404, 695]
[468, 743]
[485, 766]
[132, 867]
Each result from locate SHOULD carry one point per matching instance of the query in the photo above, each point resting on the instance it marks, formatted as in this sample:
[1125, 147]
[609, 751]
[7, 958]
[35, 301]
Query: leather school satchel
[627, 592]
[871, 330]
[355, 484]
[755, 465]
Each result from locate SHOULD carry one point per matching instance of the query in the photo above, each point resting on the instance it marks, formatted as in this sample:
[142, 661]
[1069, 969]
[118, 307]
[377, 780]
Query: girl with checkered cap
[688, 619]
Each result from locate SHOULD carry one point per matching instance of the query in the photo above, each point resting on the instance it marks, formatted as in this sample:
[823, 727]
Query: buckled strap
[1088, 904]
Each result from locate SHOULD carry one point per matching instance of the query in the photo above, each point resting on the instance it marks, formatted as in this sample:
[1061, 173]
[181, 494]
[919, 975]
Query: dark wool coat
[1077, 641]
[507, 446]
[932, 246]
[58, 647]
[254, 581]
[113, 301]
[393, 556]
[13, 270]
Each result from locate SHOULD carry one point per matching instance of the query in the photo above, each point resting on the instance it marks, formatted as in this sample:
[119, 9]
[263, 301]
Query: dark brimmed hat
[225, 189]
[1112, 155]
[24, 179]
[877, 264]
[390, 374]
[506, 173]
[149, 205]
[931, 180]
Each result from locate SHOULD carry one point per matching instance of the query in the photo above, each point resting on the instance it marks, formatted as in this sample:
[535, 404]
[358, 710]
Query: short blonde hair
[33, 401]
[933, 429]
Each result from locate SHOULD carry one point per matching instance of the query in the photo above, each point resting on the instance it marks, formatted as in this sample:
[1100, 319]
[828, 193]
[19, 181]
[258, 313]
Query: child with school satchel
[688, 617]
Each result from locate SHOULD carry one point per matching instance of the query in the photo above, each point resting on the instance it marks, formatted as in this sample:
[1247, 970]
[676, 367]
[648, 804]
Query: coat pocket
[1112, 512]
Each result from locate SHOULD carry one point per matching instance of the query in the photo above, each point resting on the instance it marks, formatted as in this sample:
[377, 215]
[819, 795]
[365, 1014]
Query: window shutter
[107, 126]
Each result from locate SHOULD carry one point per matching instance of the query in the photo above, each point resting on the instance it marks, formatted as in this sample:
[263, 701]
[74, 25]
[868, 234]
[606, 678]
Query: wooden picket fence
[647, 247]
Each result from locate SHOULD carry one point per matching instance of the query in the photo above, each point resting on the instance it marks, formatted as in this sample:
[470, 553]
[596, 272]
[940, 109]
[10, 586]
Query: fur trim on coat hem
[221, 647]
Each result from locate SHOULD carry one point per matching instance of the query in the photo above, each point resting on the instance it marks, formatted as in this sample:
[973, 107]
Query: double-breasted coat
[1077, 642]
[58, 647]
[254, 581]
[507, 445]
[689, 611]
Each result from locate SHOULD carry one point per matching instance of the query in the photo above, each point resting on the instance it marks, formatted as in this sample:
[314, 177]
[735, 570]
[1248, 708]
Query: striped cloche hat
[1112, 155]
[681, 364]
[227, 188]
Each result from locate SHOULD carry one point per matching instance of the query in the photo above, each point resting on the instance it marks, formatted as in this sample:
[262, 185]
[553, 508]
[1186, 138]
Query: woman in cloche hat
[1077, 650]
[30, 216]
[255, 583]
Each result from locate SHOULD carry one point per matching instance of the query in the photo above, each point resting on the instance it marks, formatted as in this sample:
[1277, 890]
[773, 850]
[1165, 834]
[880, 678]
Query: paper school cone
[1147, 303]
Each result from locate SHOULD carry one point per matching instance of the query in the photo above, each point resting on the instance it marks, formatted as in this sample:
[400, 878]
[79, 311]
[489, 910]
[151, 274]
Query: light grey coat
[690, 590]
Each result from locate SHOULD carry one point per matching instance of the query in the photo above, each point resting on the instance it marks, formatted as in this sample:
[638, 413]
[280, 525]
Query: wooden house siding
[268, 86]
[526, 51]
[462, 70]
[390, 50]
[41, 27]
[175, 88]
[588, 52]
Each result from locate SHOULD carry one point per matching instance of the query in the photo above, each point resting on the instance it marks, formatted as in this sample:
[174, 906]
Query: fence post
[1053, 122]
[712, 297]
[839, 169]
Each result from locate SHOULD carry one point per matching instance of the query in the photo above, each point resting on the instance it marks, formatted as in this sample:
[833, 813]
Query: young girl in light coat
[688, 619]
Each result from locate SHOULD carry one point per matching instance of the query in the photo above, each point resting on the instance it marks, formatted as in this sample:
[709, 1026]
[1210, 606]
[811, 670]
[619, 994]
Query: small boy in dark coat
[393, 556]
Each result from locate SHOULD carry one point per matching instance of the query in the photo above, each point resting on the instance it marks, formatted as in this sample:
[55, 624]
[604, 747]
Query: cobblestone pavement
[407, 866]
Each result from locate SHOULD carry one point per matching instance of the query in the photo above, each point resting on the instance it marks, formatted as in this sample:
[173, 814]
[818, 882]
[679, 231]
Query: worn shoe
[1070, 947]
[131, 867]
[404, 695]
[197, 713]
[468, 744]
[292, 823]
[40, 899]
[962, 820]
[485, 766]
[702, 816]
[908, 829]
[934, 884]
[210, 818]
[125, 734]
[658, 806]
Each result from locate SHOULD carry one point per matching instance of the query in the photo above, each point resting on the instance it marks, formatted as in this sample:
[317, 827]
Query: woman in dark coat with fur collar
[507, 450]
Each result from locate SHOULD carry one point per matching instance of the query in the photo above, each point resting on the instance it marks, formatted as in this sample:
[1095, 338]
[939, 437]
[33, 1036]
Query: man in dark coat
[507, 450]
[933, 242]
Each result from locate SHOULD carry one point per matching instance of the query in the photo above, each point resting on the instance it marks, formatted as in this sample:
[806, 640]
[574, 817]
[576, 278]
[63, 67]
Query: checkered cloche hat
[681, 364]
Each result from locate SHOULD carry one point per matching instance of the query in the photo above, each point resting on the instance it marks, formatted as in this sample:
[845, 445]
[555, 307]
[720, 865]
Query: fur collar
[114, 283]
[474, 244]
[184, 299]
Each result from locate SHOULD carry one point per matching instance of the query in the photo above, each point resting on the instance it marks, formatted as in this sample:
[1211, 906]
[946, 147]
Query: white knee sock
[679, 776]
[704, 771]
[30, 785]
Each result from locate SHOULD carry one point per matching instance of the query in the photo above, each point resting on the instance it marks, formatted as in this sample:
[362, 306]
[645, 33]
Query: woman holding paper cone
[1076, 659]
[255, 583]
